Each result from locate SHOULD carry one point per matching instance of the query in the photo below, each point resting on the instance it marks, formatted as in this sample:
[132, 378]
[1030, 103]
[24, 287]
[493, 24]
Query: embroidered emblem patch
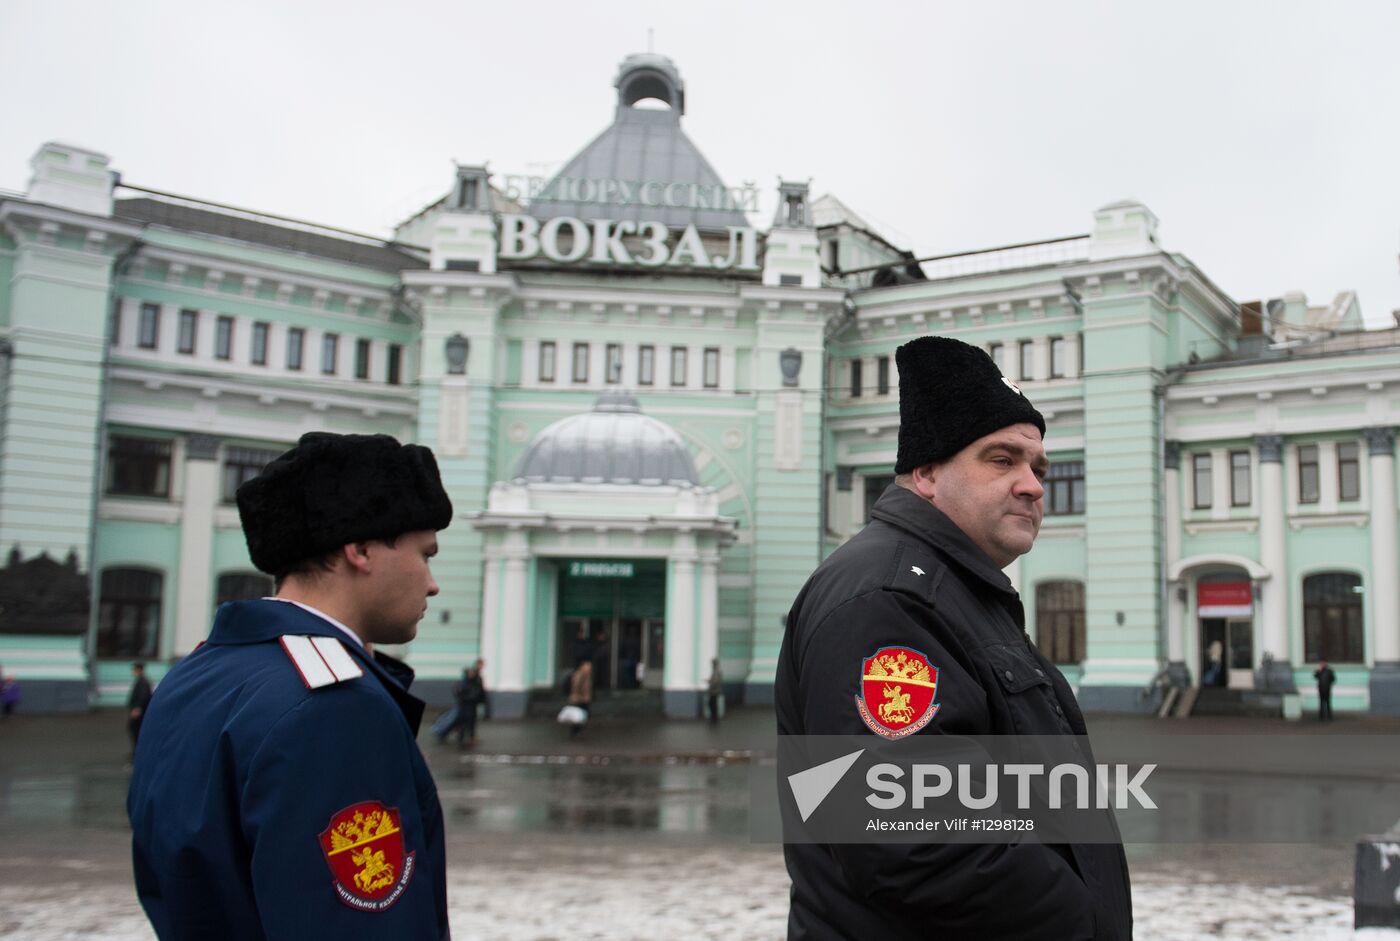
[898, 686]
[1013, 387]
[364, 848]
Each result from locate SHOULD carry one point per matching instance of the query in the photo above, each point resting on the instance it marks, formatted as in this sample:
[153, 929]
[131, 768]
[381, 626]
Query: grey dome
[613, 444]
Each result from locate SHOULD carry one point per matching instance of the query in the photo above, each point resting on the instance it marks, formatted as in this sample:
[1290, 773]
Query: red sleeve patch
[898, 687]
[364, 846]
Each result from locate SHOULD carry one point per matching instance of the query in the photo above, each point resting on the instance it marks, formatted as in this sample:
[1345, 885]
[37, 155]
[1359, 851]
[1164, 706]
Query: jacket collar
[255, 622]
[908, 511]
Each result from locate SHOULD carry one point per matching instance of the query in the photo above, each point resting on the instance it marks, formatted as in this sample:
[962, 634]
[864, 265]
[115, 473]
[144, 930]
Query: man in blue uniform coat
[278, 790]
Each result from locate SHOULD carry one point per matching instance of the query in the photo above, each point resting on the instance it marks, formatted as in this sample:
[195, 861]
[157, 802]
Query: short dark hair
[139, 667]
[320, 564]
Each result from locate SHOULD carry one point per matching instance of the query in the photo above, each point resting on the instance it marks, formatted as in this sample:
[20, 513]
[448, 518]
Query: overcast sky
[1265, 136]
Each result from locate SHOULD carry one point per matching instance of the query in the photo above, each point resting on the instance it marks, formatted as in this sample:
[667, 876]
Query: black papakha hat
[331, 490]
[951, 394]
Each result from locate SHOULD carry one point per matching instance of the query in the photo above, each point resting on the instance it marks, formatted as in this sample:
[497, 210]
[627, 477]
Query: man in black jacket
[924, 579]
[136, 702]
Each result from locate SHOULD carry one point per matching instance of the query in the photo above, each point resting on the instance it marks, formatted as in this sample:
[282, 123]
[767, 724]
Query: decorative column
[1177, 670]
[1383, 591]
[1275, 674]
[490, 620]
[709, 614]
[512, 690]
[194, 607]
[681, 697]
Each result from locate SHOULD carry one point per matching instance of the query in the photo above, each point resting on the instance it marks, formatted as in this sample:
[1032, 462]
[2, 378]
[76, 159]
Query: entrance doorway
[613, 614]
[1227, 652]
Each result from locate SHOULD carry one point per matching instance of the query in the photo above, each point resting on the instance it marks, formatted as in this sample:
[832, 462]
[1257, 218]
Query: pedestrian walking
[278, 789]
[920, 594]
[10, 694]
[470, 695]
[581, 694]
[1325, 678]
[136, 702]
[714, 691]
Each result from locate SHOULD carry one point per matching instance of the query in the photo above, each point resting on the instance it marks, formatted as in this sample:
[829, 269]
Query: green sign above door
[598, 569]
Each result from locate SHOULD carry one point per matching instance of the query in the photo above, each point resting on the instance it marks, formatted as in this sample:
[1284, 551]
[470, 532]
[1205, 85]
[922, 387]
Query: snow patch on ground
[699, 893]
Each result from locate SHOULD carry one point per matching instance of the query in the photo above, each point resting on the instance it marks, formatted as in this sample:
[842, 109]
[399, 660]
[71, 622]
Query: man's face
[992, 491]
[399, 587]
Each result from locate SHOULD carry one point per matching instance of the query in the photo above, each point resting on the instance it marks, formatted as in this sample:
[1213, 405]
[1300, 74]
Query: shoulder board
[915, 571]
[321, 661]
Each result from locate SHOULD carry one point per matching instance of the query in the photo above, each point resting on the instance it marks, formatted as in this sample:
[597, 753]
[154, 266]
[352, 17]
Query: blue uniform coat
[241, 768]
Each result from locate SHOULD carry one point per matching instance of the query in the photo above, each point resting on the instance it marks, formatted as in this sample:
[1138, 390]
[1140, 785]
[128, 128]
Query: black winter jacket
[911, 578]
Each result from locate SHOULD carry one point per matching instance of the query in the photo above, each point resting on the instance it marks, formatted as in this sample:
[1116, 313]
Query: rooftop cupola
[645, 75]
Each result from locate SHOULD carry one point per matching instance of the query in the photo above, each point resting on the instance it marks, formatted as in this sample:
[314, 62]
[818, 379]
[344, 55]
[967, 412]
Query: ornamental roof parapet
[37, 223]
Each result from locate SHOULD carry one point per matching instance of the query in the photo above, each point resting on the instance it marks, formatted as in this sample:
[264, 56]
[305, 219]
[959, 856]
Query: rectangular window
[882, 376]
[296, 339]
[1200, 472]
[223, 338]
[1057, 357]
[330, 346]
[1348, 471]
[1027, 361]
[243, 464]
[1064, 486]
[857, 380]
[1308, 491]
[259, 351]
[646, 365]
[393, 372]
[361, 358]
[547, 361]
[1239, 478]
[711, 367]
[149, 333]
[678, 354]
[138, 467]
[997, 352]
[189, 324]
[580, 362]
[614, 363]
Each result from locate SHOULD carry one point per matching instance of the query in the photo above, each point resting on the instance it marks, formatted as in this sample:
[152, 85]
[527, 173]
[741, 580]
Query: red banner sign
[1224, 599]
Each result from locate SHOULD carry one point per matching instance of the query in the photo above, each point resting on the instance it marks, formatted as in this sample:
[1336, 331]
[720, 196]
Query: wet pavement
[641, 829]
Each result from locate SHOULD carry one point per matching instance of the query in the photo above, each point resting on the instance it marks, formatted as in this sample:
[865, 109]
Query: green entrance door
[612, 612]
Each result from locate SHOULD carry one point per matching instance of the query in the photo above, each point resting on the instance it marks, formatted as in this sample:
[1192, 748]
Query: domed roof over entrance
[613, 444]
[643, 146]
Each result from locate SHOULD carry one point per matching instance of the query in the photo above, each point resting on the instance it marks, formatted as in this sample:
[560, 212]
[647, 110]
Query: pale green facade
[157, 350]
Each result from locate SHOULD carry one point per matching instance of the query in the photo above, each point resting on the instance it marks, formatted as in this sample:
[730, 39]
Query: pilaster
[788, 528]
[1124, 476]
[193, 601]
[1275, 671]
[1383, 591]
[1177, 669]
[458, 360]
[682, 698]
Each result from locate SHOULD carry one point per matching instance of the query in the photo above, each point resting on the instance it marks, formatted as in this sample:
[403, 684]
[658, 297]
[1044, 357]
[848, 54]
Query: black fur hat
[331, 490]
[951, 394]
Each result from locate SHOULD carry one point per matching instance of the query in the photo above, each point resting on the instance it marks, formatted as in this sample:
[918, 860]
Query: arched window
[241, 586]
[1059, 621]
[1332, 618]
[128, 615]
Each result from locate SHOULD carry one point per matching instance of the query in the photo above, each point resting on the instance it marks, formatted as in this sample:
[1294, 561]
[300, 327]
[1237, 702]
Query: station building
[655, 418]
